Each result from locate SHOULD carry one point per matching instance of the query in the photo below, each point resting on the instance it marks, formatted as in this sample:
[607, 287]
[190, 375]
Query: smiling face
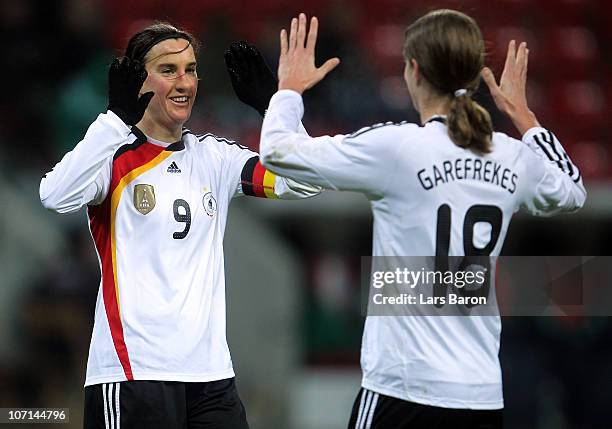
[172, 76]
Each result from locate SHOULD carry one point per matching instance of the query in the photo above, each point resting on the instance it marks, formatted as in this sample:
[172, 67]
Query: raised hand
[125, 79]
[296, 68]
[251, 78]
[510, 95]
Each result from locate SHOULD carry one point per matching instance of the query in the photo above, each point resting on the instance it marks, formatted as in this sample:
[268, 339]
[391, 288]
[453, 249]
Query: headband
[144, 49]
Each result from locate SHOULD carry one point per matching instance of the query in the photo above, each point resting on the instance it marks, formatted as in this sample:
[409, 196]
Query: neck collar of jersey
[172, 147]
[436, 118]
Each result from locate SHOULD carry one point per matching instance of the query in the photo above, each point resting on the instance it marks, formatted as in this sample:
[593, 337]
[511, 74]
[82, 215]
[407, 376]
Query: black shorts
[375, 411]
[164, 405]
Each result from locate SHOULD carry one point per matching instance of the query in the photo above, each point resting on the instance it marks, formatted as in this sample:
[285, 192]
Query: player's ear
[406, 71]
[415, 70]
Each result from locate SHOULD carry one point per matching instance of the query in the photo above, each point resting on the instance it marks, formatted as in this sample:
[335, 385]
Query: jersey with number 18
[429, 197]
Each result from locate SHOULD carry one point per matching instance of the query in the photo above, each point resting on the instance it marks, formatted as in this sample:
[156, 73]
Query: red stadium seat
[566, 13]
[496, 44]
[594, 158]
[570, 52]
[383, 44]
[581, 103]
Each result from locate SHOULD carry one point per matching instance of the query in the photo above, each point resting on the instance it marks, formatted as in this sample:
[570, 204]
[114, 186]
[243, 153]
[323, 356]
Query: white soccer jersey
[412, 175]
[157, 216]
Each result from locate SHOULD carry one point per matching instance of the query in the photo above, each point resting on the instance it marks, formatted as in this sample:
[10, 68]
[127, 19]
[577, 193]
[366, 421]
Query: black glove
[125, 79]
[252, 79]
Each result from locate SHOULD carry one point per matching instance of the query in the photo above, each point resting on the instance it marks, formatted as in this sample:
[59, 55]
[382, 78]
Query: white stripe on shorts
[363, 407]
[372, 409]
[110, 405]
[104, 403]
[117, 407]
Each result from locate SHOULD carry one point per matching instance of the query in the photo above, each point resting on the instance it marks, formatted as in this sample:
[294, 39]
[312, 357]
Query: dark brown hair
[449, 49]
[142, 42]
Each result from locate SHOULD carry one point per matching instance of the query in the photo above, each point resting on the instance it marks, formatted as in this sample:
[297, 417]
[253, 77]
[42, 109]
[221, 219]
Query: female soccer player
[157, 198]
[447, 188]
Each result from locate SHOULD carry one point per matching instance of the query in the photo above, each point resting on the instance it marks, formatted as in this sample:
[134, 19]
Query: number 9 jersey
[429, 197]
[157, 214]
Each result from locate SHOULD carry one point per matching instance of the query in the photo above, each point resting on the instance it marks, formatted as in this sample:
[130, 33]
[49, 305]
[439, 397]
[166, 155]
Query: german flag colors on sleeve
[256, 180]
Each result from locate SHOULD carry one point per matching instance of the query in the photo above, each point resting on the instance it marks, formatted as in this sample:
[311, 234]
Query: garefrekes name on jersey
[488, 171]
[394, 165]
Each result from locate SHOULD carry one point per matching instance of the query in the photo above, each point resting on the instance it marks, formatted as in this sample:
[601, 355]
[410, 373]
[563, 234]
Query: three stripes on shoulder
[552, 149]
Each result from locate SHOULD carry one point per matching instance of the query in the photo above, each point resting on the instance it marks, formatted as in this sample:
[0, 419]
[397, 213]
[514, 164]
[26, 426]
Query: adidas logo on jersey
[173, 168]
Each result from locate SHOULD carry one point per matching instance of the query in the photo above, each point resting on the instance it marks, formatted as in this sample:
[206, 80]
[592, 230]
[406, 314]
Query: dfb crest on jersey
[210, 204]
[144, 198]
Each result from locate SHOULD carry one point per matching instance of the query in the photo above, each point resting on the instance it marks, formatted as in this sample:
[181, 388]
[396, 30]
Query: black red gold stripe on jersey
[256, 180]
[127, 166]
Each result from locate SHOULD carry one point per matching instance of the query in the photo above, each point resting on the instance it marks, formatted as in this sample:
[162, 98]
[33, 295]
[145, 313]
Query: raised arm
[83, 175]
[254, 84]
[356, 162]
[555, 183]
[252, 80]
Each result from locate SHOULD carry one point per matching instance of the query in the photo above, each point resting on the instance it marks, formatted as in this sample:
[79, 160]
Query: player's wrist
[524, 121]
[293, 86]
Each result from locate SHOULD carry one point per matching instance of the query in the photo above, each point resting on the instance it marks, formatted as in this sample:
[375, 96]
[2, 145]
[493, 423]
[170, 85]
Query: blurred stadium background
[293, 268]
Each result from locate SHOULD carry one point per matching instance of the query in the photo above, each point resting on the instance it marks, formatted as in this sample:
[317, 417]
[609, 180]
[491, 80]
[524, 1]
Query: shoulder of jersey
[383, 127]
[212, 138]
[134, 140]
[504, 141]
